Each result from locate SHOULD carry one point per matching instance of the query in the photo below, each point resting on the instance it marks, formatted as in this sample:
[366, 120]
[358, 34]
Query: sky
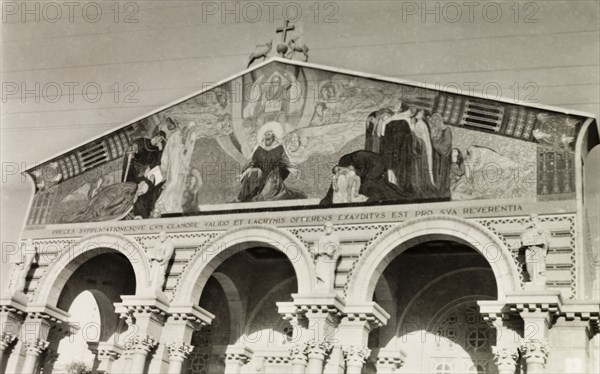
[72, 72]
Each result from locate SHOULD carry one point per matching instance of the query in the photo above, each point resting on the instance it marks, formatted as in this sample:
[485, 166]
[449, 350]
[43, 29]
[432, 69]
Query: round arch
[396, 240]
[236, 240]
[70, 258]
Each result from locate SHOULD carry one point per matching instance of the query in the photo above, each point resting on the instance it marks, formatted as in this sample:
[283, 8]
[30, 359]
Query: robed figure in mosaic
[263, 177]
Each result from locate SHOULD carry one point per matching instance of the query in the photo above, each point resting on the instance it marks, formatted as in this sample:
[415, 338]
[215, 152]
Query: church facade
[306, 219]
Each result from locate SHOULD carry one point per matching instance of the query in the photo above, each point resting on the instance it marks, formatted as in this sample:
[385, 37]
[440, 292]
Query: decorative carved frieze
[237, 357]
[277, 360]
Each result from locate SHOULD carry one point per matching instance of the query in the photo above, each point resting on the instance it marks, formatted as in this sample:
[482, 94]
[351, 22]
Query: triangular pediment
[428, 142]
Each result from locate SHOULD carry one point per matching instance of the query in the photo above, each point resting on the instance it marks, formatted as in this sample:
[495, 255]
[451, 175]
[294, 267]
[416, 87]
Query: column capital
[320, 348]
[506, 358]
[143, 344]
[6, 339]
[35, 346]
[179, 350]
[299, 353]
[535, 351]
[355, 354]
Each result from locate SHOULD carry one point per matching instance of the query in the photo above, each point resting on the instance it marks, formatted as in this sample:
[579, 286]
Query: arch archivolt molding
[216, 250]
[72, 253]
[371, 262]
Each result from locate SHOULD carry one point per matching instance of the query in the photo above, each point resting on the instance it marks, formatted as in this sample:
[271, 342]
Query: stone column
[355, 357]
[145, 315]
[321, 327]
[356, 325]
[535, 354]
[33, 350]
[49, 360]
[508, 336]
[506, 359]
[6, 339]
[12, 313]
[537, 309]
[182, 322]
[536, 324]
[235, 358]
[316, 318]
[139, 346]
[178, 352]
[299, 358]
[108, 353]
[317, 352]
[44, 325]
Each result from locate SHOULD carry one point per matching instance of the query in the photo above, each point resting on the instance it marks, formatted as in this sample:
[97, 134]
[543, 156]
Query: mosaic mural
[289, 136]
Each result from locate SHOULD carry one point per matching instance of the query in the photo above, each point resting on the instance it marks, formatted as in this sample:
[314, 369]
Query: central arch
[396, 240]
[206, 261]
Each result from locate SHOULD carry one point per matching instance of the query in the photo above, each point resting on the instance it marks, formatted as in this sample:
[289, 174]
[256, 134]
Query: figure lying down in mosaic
[113, 202]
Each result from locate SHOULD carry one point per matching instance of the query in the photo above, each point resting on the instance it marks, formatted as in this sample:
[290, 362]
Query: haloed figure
[263, 177]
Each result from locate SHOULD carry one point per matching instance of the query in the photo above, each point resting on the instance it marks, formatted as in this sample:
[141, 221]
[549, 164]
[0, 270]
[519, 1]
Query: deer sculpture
[262, 50]
[294, 46]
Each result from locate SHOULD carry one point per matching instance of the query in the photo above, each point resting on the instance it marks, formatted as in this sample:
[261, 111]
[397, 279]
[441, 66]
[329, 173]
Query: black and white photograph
[306, 187]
